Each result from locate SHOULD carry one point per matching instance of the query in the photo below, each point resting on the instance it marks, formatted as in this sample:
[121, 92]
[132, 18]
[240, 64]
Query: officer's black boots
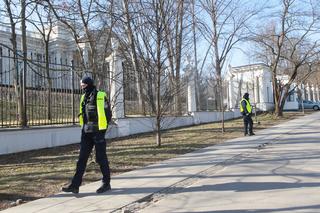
[103, 188]
[71, 188]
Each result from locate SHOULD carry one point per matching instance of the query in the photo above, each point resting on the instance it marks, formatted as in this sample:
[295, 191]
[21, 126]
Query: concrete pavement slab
[281, 177]
[276, 170]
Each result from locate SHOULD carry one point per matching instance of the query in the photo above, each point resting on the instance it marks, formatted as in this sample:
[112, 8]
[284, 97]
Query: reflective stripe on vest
[248, 106]
[102, 120]
[80, 111]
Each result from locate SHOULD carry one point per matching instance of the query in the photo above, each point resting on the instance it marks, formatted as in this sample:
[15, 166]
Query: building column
[116, 85]
[314, 93]
[317, 93]
[303, 95]
[85, 55]
[255, 90]
[58, 65]
[231, 99]
[294, 94]
[308, 92]
[192, 104]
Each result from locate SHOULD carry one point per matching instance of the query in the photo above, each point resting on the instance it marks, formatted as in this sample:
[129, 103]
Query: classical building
[255, 79]
[62, 51]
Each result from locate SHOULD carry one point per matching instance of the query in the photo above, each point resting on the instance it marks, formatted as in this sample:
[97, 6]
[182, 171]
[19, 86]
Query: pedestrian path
[277, 170]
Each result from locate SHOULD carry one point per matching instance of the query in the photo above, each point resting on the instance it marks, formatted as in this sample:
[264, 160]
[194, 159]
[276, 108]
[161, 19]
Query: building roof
[249, 66]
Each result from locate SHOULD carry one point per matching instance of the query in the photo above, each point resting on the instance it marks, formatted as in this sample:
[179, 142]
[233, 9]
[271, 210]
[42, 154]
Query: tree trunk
[276, 95]
[49, 115]
[25, 64]
[222, 106]
[134, 59]
[158, 132]
[179, 34]
[16, 77]
[195, 57]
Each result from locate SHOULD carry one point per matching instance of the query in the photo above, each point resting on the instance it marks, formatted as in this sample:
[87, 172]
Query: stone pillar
[294, 92]
[303, 92]
[58, 65]
[116, 84]
[308, 92]
[85, 55]
[231, 98]
[58, 56]
[255, 89]
[314, 93]
[192, 104]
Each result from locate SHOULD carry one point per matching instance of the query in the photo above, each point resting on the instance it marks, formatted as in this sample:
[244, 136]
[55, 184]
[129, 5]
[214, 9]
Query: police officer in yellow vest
[246, 111]
[94, 123]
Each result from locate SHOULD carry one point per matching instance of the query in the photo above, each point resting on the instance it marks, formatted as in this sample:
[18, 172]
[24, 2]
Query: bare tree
[289, 44]
[90, 23]
[154, 41]
[175, 29]
[173, 20]
[44, 25]
[194, 39]
[130, 17]
[25, 62]
[14, 17]
[226, 28]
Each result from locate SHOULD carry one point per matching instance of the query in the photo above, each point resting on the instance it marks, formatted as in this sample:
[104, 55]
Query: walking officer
[94, 118]
[246, 111]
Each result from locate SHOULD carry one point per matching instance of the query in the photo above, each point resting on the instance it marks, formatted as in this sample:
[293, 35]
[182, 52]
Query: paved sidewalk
[277, 170]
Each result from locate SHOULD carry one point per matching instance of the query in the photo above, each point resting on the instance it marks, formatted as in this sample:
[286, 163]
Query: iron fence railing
[49, 94]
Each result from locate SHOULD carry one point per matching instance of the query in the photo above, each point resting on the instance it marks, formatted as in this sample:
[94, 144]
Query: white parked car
[310, 105]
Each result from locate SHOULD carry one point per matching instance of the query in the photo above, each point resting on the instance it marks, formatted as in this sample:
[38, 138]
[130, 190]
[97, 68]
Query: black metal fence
[47, 95]
[34, 93]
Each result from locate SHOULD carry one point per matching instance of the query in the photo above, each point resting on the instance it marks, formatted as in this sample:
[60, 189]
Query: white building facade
[63, 52]
[256, 79]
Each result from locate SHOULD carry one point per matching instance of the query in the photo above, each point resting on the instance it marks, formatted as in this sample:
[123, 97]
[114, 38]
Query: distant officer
[94, 118]
[246, 110]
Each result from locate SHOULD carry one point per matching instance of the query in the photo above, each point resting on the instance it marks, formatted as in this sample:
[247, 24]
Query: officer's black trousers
[88, 140]
[248, 124]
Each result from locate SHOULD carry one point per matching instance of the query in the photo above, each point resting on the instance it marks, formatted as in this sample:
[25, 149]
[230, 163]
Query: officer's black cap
[246, 95]
[87, 80]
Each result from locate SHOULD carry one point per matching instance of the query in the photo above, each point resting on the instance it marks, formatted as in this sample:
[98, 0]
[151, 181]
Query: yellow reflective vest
[248, 106]
[102, 120]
